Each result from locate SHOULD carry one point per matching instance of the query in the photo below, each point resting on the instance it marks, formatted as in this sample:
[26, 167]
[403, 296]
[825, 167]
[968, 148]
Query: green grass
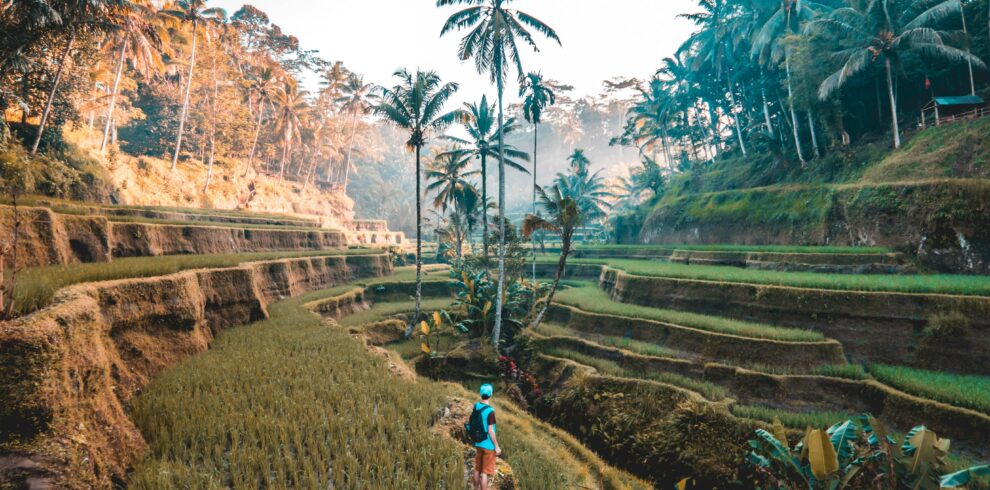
[592, 299]
[77, 207]
[37, 286]
[743, 248]
[967, 391]
[936, 283]
[631, 345]
[607, 367]
[384, 311]
[796, 420]
[845, 371]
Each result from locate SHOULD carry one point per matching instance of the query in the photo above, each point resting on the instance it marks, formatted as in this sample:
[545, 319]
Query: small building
[949, 109]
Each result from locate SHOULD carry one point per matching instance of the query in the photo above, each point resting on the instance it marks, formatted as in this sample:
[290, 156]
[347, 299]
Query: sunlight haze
[601, 39]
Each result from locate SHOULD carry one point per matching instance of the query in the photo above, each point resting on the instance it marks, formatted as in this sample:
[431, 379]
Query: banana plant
[849, 454]
[477, 295]
[432, 330]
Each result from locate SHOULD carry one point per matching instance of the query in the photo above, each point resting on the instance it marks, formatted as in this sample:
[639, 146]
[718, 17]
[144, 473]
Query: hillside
[928, 199]
[81, 172]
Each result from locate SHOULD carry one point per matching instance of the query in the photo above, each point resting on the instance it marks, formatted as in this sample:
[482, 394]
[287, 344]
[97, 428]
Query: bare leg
[475, 480]
[484, 482]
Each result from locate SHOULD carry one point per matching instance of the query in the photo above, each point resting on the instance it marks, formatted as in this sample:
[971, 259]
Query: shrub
[951, 325]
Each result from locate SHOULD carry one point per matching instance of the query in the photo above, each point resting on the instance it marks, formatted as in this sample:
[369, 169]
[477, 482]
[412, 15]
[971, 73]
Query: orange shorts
[484, 461]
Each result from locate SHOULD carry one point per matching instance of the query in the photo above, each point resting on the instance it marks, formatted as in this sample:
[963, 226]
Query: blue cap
[487, 390]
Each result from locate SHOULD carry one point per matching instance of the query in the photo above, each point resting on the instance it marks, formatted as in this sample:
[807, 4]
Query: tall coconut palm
[537, 97]
[196, 13]
[416, 104]
[495, 32]
[260, 92]
[482, 144]
[884, 31]
[138, 32]
[72, 17]
[291, 106]
[358, 100]
[770, 46]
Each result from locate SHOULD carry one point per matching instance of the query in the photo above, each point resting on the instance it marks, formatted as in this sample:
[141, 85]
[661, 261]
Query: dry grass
[37, 286]
[289, 402]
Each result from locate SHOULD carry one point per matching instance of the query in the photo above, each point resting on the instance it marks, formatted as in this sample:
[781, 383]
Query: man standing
[481, 431]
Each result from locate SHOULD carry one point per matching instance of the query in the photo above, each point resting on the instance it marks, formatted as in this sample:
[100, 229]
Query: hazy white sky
[601, 38]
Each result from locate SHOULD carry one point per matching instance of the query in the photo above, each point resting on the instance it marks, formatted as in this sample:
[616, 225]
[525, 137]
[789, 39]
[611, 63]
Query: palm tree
[537, 97]
[139, 35]
[449, 175]
[72, 16]
[416, 105]
[770, 46]
[886, 30]
[492, 41]
[482, 144]
[358, 100]
[589, 190]
[193, 11]
[260, 91]
[291, 105]
[563, 216]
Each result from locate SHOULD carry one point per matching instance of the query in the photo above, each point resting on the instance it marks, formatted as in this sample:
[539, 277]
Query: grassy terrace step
[960, 390]
[873, 326]
[37, 286]
[589, 297]
[927, 284]
[607, 367]
[785, 249]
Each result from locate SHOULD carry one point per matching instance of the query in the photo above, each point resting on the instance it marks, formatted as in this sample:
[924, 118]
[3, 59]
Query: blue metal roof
[960, 100]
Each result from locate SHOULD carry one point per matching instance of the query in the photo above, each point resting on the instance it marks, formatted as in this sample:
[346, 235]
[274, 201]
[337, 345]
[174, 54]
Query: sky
[601, 38]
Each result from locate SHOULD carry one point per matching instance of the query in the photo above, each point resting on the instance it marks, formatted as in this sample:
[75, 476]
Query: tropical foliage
[855, 454]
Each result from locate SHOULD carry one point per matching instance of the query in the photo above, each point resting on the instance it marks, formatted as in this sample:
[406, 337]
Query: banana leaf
[960, 478]
[821, 455]
[842, 436]
[779, 451]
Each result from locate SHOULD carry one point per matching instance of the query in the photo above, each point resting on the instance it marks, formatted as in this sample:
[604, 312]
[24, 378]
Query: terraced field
[628, 333]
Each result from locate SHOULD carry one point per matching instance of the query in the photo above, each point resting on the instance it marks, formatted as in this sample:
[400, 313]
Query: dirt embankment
[70, 370]
[51, 238]
[900, 410]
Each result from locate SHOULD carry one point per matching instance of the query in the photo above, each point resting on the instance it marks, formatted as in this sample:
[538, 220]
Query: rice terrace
[495, 244]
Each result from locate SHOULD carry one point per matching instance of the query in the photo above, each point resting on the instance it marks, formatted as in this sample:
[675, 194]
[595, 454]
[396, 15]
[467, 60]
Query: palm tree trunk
[766, 106]
[419, 247]
[350, 150]
[257, 134]
[814, 137]
[972, 83]
[484, 205]
[497, 329]
[185, 101]
[893, 105]
[536, 130]
[213, 129]
[51, 95]
[794, 118]
[565, 250]
[286, 151]
[113, 94]
[732, 101]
